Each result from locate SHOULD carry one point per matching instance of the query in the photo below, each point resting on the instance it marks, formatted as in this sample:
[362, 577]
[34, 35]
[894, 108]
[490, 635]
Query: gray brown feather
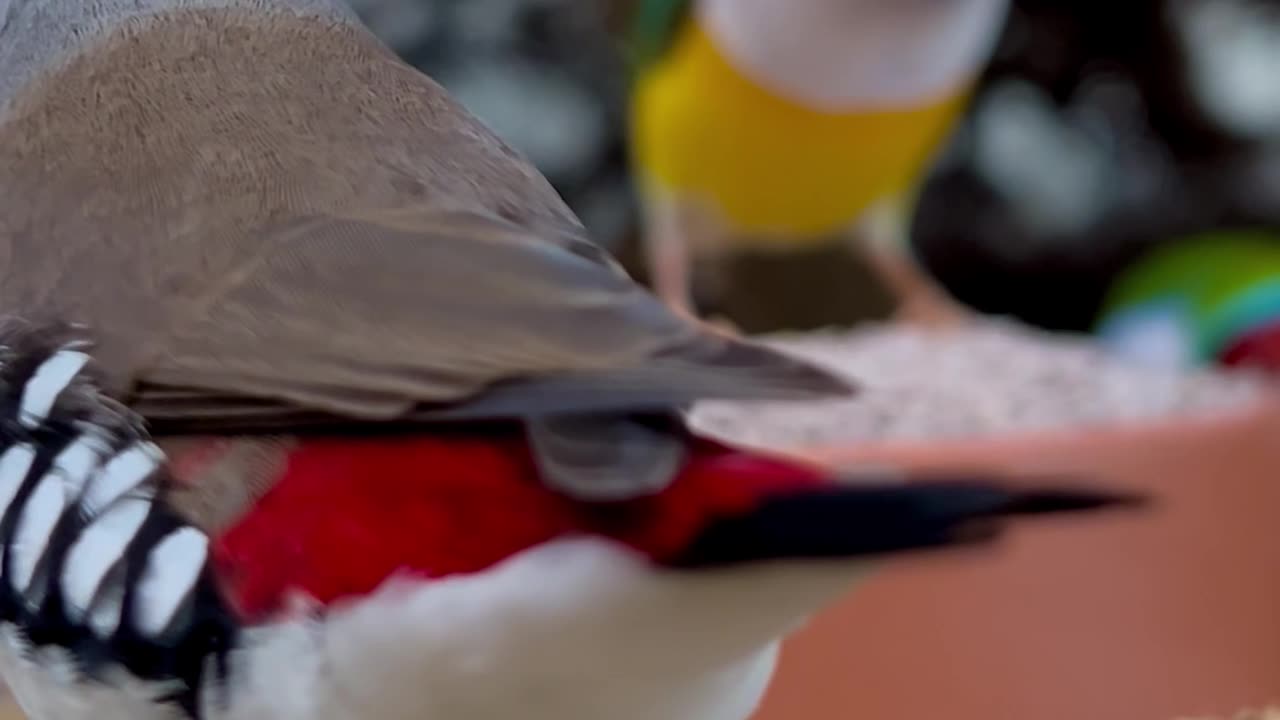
[606, 457]
[269, 220]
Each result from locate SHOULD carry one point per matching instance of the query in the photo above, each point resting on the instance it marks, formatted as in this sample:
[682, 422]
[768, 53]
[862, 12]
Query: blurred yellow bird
[782, 123]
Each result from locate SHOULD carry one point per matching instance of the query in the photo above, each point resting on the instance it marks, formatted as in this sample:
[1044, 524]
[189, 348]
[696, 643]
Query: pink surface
[1169, 614]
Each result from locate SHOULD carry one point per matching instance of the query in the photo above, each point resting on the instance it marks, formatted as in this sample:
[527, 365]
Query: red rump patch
[350, 512]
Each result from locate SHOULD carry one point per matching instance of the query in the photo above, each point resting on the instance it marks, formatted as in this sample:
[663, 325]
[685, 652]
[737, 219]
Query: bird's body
[386, 657]
[413, 445]
[267, 228]
[526, 638]
[430, 575]
[790, 125]
[797, 150]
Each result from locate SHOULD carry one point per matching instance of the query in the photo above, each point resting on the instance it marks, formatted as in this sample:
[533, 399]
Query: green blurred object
[1205, 299]
[653, 27]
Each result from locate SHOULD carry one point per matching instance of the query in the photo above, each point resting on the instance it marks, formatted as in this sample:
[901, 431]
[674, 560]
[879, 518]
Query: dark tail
[861, 520]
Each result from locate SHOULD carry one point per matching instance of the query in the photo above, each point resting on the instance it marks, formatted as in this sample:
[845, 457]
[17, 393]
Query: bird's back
[146, 165]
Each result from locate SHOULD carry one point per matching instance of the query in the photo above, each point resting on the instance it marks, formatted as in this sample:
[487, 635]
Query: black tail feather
[862, 521]
[1047, 501]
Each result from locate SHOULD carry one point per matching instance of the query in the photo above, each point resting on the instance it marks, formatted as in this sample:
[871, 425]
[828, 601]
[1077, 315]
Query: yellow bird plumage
[808, 172]
[718, 134]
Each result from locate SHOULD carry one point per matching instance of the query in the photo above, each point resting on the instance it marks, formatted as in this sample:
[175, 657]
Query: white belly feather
[572, 630]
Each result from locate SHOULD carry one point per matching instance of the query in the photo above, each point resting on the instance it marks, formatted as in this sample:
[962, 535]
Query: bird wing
[290, 246]
[428, 313]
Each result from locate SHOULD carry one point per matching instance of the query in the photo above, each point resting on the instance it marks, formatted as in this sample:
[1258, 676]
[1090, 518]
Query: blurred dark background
[1099, 130]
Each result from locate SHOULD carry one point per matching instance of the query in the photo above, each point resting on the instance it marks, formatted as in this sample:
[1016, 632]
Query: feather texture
[319, 249]
[99, 570]
[93, 562]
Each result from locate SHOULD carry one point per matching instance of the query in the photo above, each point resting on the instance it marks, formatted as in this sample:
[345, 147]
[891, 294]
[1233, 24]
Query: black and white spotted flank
[90, 558]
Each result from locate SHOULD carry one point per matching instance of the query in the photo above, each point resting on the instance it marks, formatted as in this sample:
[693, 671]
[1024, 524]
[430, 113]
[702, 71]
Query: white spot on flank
[99, 549]
[172, 570]
[74, 464]
[47, 383]
[104, 619]
[39, 516]
[122, 473]
[14, 466]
